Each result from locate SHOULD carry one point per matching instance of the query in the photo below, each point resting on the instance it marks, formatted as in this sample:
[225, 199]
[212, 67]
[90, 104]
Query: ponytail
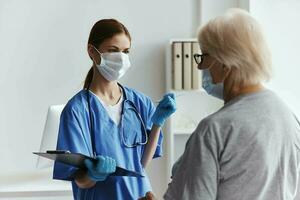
[88, 79]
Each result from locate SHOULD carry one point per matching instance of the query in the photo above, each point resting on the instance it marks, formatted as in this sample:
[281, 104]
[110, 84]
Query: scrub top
[248, 150]
[110, 140]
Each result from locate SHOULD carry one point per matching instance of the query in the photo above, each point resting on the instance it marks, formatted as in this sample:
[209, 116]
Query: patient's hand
[149, 196]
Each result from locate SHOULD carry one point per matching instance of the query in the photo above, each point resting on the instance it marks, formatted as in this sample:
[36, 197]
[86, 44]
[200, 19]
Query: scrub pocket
[132, 135]
[132, 127]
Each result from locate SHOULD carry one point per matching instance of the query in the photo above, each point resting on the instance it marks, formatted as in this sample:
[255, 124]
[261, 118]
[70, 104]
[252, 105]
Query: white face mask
[113, 65]
[215, 90]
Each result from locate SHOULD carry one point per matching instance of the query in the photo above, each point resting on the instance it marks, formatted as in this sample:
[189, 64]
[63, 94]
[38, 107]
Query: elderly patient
[250, 148]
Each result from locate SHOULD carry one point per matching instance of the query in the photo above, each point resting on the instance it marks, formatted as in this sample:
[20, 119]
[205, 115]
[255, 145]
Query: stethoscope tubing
[91, 121]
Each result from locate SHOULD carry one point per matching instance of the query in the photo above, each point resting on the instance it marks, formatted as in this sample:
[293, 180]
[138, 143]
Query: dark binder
[77, 160]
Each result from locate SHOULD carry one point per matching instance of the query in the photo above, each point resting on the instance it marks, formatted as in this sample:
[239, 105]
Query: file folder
[196, 73]
[187, 65]
[77, 160]
[177, 65]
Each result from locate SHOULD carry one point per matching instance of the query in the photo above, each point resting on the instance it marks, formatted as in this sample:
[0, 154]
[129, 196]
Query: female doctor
[117, 125]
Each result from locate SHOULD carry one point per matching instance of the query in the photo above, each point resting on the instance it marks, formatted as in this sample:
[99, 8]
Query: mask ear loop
[226, 70]
[210, 66]
[100, 55]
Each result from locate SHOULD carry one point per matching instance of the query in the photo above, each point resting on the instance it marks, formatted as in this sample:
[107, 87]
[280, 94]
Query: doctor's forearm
[151, 145]
[82, 180]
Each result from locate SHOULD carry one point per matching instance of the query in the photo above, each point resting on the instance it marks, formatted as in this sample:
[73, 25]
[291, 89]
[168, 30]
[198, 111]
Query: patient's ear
[94, 55]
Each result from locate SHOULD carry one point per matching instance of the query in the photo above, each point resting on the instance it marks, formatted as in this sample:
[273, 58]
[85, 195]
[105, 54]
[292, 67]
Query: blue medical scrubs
[110, 140]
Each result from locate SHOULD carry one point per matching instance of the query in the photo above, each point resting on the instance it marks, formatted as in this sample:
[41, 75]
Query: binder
[77, 160]
[196, 73]
[187, 66]
[177, 65]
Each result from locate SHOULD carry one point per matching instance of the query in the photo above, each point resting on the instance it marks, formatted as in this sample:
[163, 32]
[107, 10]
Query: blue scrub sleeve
[71, 138]
[159, 149]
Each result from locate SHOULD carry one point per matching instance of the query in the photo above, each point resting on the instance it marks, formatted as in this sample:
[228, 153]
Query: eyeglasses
[199, 57]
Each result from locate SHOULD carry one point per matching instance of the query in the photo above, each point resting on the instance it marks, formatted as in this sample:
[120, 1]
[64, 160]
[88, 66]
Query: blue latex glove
[165, 108]
[101, 169]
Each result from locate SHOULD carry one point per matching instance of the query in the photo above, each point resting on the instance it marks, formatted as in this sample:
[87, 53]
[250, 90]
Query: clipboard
[77, 160]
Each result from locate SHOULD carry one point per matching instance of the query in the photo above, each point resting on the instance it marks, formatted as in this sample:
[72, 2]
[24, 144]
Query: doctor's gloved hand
[101, 169]
[165, 108]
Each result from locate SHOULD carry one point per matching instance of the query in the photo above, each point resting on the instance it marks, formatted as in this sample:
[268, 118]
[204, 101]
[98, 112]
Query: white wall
[43, 61]
[214, 8]
[280, 21]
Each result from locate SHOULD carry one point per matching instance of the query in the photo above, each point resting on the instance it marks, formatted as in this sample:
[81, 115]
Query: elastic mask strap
[99, 55]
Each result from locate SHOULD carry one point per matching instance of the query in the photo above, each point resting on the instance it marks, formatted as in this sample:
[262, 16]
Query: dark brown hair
[102, 30]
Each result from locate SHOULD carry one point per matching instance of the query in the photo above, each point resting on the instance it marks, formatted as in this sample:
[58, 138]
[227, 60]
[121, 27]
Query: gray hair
[235, 39]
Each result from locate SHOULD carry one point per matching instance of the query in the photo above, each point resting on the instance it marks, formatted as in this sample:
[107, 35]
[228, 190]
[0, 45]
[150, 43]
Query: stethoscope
[131, 107]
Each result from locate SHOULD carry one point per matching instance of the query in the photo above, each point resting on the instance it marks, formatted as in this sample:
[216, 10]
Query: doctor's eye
[126, 51]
